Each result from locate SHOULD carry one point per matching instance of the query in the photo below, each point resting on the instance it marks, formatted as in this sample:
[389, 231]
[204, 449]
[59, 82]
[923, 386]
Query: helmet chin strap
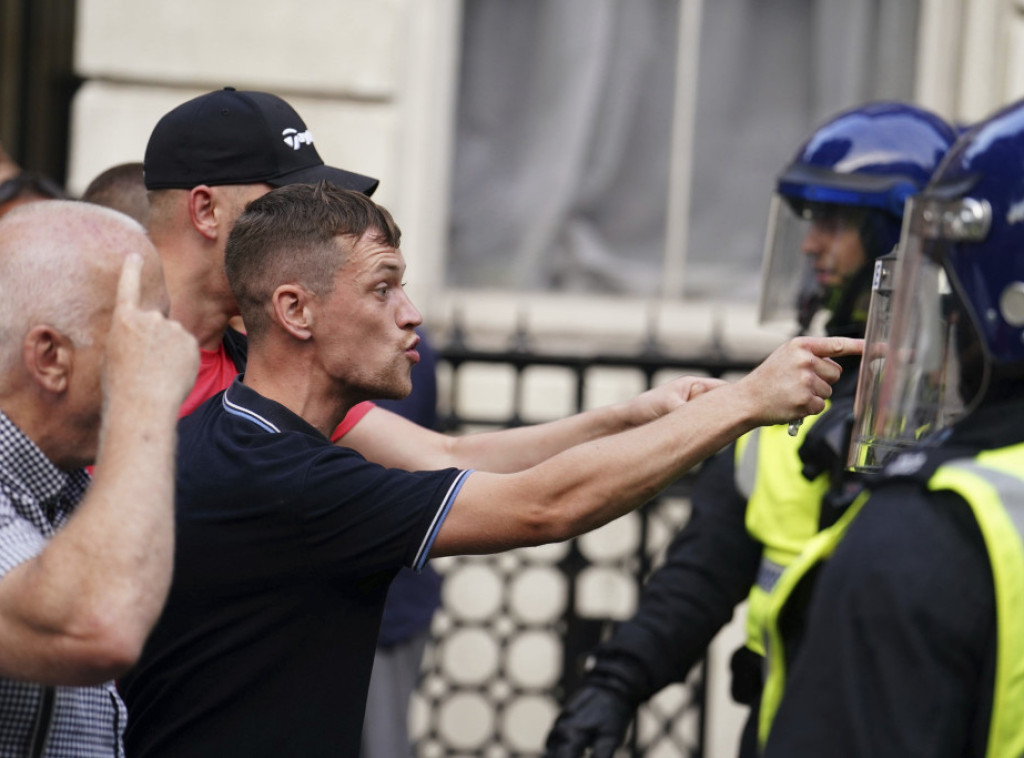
[849, 303]
[808, 305]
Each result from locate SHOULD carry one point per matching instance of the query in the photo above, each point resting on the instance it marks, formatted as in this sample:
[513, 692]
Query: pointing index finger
[129, 285]
[834, 347]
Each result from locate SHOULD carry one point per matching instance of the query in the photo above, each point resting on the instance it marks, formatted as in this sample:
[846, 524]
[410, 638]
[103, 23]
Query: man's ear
[201, 211]
[290, 303]
[49, 357]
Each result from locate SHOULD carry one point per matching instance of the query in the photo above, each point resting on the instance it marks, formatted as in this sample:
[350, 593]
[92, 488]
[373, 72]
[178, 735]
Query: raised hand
[657, 401]
[147, 354]
[796, 379]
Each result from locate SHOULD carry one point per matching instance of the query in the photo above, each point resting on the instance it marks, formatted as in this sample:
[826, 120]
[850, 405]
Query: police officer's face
[833, 243]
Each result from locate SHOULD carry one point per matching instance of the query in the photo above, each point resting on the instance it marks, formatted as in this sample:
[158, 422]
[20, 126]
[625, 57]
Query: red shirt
[216, 372]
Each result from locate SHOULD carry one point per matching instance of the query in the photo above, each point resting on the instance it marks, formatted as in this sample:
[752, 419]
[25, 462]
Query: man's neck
[34, 414]
[203, 320]
[200, 301]
[290, 378]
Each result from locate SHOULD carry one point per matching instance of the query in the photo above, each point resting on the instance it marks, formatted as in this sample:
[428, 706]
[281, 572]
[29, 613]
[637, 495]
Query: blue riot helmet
[956, 332]
[839, 205]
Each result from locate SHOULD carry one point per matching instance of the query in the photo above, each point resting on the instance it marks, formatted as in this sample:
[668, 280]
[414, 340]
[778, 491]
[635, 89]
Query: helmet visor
[811, 250]
[913, 380]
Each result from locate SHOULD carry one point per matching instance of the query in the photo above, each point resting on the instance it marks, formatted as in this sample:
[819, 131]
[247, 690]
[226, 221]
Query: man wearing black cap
[205, 160]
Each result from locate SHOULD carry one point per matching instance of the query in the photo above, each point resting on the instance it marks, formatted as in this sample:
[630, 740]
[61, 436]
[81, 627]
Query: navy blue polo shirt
[286, 545]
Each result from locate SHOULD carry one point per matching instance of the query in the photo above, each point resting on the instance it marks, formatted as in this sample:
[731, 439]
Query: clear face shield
[811, 249]
[913, 380]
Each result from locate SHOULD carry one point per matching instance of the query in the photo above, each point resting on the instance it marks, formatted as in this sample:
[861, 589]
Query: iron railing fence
[498, 668]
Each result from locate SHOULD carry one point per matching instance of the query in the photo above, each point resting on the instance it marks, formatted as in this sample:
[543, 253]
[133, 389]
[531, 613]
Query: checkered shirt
[36, 499]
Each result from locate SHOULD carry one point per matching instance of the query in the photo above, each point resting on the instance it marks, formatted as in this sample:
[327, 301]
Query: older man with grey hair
[90, 370]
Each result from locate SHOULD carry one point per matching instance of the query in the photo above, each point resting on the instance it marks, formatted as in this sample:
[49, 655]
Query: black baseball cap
[232, 137]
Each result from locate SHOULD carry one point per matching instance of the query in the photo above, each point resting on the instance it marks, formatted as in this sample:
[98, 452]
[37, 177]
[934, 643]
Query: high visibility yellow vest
[783, 509]
[993, 485]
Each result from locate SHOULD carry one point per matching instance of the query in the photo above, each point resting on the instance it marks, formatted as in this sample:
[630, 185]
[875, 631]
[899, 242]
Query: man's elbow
[106, 652]
[555, 521]
[116, 654]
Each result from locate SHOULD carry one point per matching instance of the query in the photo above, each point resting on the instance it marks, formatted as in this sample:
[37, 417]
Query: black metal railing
[487, 712]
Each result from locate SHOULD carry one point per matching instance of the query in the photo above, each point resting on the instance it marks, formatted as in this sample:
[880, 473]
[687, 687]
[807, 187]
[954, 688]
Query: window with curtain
[565, 124]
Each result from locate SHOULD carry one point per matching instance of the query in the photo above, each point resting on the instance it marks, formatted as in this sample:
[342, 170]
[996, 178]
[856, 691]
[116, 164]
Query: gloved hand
[595, 717]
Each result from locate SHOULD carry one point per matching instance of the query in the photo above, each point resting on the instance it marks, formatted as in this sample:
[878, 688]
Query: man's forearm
[386, 438]
[517, 449]
[520, 448]
[588, 485]
[80, 611]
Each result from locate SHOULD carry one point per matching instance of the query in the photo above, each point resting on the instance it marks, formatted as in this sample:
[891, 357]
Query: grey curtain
[565, 118]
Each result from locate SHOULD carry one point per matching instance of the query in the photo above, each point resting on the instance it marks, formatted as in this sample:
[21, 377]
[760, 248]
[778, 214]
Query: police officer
[912, 643]
[838, 206]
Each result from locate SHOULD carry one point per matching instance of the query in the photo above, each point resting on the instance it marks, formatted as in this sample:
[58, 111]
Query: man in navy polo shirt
[287, 543]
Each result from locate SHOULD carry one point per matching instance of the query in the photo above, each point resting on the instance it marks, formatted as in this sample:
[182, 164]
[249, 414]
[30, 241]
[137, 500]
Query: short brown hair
[290, 235]
[123, 188]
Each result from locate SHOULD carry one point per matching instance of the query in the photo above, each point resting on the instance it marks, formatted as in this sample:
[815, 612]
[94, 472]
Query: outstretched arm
[79, 612]
[590, 484]
[388, 439]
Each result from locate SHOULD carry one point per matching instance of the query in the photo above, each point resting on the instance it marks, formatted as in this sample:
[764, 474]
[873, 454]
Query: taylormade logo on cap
[239, 137]
[295, 139]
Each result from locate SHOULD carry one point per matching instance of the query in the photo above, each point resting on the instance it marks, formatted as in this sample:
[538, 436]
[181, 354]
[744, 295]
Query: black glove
[595, 717]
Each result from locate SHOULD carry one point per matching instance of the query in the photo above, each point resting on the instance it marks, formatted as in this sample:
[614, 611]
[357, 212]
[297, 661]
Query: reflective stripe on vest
[819, 548]
[783, 509]
[993, 486]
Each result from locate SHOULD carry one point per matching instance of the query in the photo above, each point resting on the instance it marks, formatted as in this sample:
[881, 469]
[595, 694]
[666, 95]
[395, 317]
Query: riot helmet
[955, 332]
[838, 206]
